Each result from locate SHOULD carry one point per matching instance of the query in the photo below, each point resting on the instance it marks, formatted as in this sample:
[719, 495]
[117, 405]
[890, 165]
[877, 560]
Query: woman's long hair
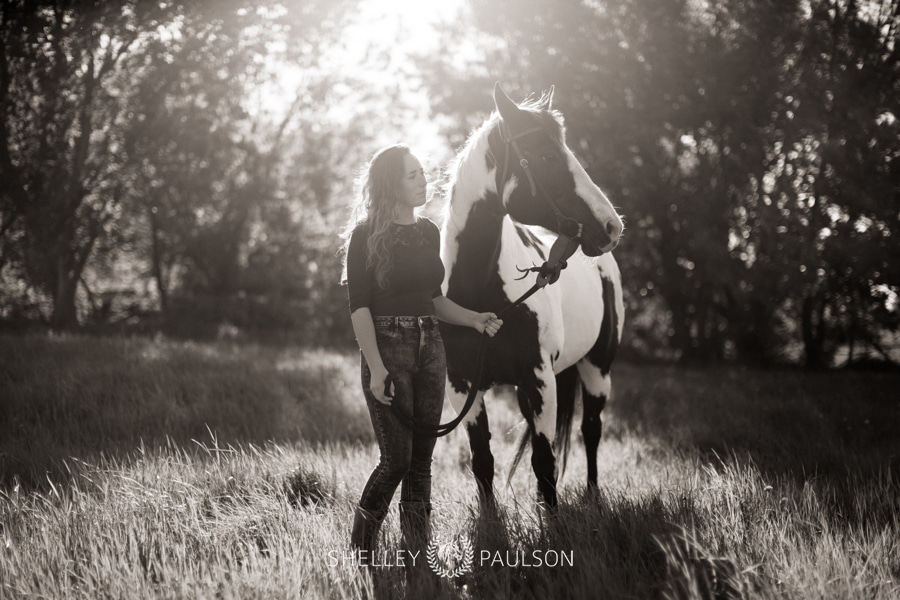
[378, 189]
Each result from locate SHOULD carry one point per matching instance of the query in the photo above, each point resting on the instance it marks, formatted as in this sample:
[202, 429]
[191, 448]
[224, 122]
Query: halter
[567, 225]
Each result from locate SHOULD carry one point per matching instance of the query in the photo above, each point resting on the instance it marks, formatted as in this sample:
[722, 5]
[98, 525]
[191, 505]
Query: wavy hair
[378, 188]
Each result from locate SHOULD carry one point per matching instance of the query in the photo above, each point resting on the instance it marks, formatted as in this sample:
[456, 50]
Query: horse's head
[539, 180]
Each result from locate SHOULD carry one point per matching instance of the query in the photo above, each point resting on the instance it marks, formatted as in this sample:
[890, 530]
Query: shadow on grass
[806, 424]
[834, 433]
[76, 397]
[594, 546]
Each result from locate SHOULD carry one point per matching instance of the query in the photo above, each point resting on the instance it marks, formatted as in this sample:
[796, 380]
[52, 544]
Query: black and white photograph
[450, 299]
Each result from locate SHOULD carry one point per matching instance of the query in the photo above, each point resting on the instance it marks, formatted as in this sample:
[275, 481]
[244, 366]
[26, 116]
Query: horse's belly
[580, 310]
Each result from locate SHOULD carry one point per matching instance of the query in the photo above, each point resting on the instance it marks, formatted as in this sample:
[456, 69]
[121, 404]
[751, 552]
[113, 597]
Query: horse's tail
[567, 384]
[523, 443]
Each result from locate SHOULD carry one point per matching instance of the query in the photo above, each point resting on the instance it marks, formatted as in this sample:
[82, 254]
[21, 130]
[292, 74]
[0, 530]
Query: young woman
[394, 275]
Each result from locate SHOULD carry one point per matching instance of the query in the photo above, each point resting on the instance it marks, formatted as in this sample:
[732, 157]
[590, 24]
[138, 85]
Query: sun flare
[405, 25]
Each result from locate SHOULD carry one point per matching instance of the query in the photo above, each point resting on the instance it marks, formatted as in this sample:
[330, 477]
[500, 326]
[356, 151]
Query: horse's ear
[548, 99]
[506, 107]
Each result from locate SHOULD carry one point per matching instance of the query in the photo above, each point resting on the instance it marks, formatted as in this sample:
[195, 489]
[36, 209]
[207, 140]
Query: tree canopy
[751, 146]
[145, 144]
[188, 165]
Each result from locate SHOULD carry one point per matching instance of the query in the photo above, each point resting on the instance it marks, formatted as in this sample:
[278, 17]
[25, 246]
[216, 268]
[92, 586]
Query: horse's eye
[550, 158]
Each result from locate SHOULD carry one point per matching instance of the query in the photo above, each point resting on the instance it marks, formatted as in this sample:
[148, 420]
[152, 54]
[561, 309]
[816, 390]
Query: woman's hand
[449, 311]
[377, 385]
[487, 323]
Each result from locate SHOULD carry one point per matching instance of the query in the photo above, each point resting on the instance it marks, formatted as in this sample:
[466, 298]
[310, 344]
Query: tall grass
[70, 395]
[150, 468]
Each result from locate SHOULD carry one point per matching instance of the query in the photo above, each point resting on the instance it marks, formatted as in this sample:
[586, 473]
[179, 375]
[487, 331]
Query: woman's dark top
[414, 279]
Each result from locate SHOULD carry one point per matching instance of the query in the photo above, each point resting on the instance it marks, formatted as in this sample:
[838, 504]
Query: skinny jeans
[413, 353]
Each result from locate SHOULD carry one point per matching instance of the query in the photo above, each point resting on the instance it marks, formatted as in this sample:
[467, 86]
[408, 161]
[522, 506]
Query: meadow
[156, 468]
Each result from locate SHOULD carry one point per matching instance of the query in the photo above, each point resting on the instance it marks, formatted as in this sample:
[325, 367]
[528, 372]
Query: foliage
[60, 139]
[752, 147]
[152, 158]
[184, 166]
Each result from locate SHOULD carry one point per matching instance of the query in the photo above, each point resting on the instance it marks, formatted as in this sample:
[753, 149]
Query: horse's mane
[476, 142]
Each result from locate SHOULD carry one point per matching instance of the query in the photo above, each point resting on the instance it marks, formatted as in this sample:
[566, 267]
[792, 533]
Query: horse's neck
[472, 229]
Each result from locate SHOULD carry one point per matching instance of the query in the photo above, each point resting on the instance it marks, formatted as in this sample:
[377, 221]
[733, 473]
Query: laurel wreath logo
[459, 555]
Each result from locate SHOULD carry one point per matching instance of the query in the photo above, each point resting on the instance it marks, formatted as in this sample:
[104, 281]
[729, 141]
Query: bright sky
[375, 51]
[407, 23]
[402, 27]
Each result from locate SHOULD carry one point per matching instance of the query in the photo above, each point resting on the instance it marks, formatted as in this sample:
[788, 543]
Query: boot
[363, 536]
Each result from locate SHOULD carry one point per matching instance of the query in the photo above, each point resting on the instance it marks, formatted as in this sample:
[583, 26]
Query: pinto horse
[514, 184]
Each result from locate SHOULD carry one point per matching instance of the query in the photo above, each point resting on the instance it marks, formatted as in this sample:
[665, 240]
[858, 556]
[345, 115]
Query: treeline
[181, 165]
[158, 170]
[752, 146]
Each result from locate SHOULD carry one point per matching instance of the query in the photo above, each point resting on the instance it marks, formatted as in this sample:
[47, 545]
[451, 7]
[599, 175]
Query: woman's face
[413, 184]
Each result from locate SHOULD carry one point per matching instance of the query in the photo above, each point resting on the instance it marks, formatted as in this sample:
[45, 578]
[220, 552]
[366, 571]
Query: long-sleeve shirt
[414, 279]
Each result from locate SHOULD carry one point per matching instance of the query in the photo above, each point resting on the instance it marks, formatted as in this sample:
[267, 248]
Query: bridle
[568, 226]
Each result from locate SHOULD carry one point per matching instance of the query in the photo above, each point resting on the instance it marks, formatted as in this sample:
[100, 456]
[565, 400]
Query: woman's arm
[364, 329]
[451, 312]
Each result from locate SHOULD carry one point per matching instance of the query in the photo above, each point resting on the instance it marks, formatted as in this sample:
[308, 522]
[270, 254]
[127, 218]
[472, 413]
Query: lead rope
[548, 273]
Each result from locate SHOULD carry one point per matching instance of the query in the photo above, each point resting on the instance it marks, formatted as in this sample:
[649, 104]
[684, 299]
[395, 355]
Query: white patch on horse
[595, 199]
[469, 184]
[458, 400]
[595, 382]
[609, 269]
[508, 188]
[569, 312]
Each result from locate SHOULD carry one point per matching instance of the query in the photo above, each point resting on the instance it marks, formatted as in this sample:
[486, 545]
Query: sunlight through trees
[185, 167]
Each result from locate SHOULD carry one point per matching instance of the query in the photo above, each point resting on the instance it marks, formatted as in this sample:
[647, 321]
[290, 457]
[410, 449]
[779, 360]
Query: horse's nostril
[610, 228]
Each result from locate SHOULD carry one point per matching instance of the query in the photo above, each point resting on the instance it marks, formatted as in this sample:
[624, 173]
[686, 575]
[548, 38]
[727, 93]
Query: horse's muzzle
[590, 248]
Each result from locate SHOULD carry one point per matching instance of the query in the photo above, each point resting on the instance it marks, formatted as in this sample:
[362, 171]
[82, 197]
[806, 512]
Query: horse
[515, 184]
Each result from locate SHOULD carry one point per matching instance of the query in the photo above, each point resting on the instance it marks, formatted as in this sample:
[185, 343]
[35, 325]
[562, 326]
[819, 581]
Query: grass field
[149, 468]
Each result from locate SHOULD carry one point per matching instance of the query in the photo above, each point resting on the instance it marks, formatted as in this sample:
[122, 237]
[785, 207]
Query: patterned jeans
[413, 353]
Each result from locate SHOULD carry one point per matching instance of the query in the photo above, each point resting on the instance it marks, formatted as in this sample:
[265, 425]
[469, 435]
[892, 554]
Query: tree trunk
[157, 259]
[64, 314]
[812, 323]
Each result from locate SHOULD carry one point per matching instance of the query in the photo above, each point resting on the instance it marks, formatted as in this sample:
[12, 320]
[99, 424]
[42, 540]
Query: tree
[139, 132]
[59, 143]
[694, 116]
[848, 97]
[238, 188]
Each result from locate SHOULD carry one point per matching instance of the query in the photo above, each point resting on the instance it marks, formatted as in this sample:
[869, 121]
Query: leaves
[159, 141]
[750, 145]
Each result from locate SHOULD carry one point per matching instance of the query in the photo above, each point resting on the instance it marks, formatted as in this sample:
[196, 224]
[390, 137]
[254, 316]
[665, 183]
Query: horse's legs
[596, 388]
[592, 429]
[482, 458]
[478, 430]
[538, 404]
